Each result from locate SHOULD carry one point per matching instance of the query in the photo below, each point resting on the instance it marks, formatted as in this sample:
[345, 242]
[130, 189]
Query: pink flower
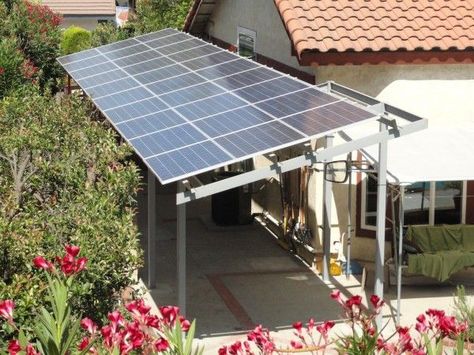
[222, 350]
[72, 250]
[185, 324]
[80, 265]
[311, 324]
[14, 347]
[169, 313]
[89, 325]
[83, 344]
[377, 303]
[336, 295]
[161, 345]
[41, 263]
[324, 328]
[296, 345]
[6, 309]
[298, 326]
[30, 350]
[354, 301]
[138, 308]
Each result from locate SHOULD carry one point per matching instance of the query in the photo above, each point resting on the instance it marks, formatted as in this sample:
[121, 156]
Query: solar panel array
[187, 106]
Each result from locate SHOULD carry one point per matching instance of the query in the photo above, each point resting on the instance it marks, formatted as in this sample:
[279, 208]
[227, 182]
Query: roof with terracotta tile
[82, 8]
[378, 25]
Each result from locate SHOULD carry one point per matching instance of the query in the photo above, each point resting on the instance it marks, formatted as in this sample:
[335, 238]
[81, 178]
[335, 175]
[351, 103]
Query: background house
[87, 13]
[365, 45]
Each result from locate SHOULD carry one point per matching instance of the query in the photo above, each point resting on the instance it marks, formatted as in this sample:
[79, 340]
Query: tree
[64, 180]
[35, 30]
[154, 15]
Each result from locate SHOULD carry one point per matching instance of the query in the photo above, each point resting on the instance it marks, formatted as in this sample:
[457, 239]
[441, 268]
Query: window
[424, 203]
[246, 42]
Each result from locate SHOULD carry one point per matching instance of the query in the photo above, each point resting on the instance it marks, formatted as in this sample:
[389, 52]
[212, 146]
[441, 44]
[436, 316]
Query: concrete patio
[239, 277]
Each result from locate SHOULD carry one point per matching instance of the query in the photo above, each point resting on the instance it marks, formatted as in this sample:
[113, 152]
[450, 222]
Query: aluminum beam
[151, 230]
[181, 252]
[307, 159]
[327, 204]
[381, 216]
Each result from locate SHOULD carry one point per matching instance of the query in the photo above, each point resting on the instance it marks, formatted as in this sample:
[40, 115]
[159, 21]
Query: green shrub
[36, 31]
[106, 33]
[75, 39]
[64, 180]
[464, 311]
[11, 61]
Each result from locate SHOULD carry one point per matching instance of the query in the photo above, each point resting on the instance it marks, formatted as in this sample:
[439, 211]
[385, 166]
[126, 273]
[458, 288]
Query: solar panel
[188, 107]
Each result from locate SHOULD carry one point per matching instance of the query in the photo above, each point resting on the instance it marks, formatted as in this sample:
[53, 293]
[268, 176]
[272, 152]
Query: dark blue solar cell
[166, 140]
[122, 98]
[296, 102]
[269, 89]
[94, 70]
[125, 52]
[269, 136]
[101, 79]
[175, 83]
[160, 74]
[247, 78]
[232, 121]
[190, 43]
[150, 123]
[166, 41]
[111, 88]
[198, 56]
[159, 34]
[78, 56]
[193, 93]
[210, 106]
[136, 109]
[118, 45]
[137, 59]
[84, 63]
[227, 68]
[180, 163]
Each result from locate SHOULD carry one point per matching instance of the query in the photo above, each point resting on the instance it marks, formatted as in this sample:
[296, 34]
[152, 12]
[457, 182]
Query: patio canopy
[443, 152]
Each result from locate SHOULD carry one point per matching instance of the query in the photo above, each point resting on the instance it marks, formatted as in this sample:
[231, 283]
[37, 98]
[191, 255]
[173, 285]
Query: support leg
[380, 230]
[401, 221]
[181, 253]
[327, 199]
[151, 230]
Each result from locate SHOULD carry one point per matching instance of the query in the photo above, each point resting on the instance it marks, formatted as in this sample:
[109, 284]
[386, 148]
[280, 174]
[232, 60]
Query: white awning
[444, 151]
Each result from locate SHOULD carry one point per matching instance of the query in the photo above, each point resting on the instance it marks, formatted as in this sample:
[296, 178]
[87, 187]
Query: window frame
[363, 203]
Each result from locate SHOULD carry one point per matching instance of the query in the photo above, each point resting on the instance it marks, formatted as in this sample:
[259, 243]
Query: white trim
[431, 212]
[363, 205]
[464, 202]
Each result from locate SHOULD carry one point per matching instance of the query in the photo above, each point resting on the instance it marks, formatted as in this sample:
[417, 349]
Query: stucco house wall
[87, 22]
[260, 16]
[272, 41]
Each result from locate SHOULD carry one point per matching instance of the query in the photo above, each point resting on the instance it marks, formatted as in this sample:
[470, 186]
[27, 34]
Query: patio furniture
[442, 250]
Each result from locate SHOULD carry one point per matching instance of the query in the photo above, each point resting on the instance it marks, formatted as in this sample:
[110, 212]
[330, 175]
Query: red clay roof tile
[378, 25]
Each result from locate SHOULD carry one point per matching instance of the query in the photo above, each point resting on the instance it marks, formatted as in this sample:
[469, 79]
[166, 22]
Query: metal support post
[401, 221]
[151, 229]
[349, 217]
[181, 252]
[327, 199]
[381, 212]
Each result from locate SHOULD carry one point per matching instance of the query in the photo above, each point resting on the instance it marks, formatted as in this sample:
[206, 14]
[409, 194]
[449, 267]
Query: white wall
[87, 22]
[260, 16]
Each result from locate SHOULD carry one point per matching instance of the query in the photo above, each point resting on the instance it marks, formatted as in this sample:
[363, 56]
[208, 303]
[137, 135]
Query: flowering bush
[59, 332]
[363, 337]
[35, 29]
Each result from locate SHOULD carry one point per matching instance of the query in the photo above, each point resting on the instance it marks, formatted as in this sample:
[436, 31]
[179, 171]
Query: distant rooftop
[82, 8]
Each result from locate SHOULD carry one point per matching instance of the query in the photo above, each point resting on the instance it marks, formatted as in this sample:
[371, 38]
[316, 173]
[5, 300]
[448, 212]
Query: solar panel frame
[193, 110]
